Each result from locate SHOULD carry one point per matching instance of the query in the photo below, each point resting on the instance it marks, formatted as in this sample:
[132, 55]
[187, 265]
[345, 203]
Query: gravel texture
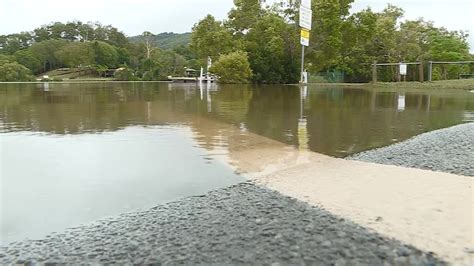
[242, 224]
[447, 150]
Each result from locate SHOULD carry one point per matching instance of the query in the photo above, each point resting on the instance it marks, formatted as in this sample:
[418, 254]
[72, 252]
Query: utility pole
[306, 20]
[302, 65]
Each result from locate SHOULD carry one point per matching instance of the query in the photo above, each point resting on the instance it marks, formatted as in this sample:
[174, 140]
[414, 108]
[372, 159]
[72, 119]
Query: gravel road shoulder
[242, 224]
[448, 150]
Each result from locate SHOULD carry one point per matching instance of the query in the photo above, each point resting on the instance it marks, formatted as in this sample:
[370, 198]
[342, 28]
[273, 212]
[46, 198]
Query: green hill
[166, 40]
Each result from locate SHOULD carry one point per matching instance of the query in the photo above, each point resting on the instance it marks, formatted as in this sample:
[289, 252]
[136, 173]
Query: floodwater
[74, 153]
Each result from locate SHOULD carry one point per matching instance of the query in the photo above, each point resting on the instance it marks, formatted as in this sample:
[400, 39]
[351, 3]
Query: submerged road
[300, 208]
[242, 224]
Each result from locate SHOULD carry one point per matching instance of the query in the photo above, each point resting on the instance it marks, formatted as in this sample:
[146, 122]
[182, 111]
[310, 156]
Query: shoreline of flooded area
[455, 84]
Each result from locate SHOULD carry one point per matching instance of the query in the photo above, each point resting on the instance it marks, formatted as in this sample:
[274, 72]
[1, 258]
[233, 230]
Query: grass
[464, 84]
[73, 74]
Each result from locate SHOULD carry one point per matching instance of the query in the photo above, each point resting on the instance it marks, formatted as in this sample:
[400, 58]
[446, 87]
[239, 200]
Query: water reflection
[52, 182]
[334, 121]
[303, 137]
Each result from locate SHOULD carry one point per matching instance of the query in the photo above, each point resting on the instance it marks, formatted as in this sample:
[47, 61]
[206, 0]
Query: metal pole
[374, 72]
[302, 65]
[421, 75]
[430, 74]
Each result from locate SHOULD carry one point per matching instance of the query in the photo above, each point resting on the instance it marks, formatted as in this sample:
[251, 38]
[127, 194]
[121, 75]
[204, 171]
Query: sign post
[306, 17]
[304, 37]
[403, 71]
[304, 42]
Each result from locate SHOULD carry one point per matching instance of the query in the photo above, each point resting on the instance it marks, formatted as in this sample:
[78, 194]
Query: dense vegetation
[264, 37]
[340, 41]
[233, 68]
[166, 40]
[88, 48]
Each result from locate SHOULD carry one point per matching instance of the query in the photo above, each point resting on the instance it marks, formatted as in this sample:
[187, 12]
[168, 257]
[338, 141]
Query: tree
[124, 55]
[326, 34]
[161, 64]
[27, 58]
[12, 71]
[56, 30]
[136, 54]
[185, 51]
[233, 68]
[357, 53]
[414, 39]
[85, 31]
[386, 33]
[70, 31]
[210, 38]
[4, 59]
[244, 15]
[116, 37]
[449, 46]
[9, 44]
[271, 46]
[45, 52]
[76, 54]
[105, 54]
[40, 34]
[148, 38]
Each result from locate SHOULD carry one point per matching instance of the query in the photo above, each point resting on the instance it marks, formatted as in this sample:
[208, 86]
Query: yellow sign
[304, 37]
[305, 33]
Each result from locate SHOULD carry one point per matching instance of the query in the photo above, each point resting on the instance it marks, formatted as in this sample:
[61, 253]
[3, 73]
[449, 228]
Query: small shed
[189, 72]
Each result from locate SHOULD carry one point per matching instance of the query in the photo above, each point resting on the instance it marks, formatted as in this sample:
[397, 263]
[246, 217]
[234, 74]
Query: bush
[316, 79]
[125, 74]
[233, 68]
[14, 72]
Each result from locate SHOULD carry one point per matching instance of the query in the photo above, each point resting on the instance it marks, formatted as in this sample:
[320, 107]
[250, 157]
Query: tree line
[255, 43]
[340, 41]
[90, 46]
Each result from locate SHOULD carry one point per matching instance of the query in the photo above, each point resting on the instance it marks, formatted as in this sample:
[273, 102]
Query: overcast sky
[135, 16]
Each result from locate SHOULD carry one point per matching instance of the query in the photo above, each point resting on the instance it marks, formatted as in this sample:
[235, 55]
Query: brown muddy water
[74, 153]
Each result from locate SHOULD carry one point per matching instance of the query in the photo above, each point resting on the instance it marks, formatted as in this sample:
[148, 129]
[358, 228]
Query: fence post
[422, 72]
[374, 72]
[399, 77]
[430, 72]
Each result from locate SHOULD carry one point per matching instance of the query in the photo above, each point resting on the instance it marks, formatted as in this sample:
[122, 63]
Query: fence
[431, 63]
[421, 68]
[327, 77]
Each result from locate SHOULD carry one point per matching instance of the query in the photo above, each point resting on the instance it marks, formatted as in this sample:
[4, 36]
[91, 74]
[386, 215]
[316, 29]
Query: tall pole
[374, 72]
[305, 22]
[421, 70]
[430, 74]
[302, 65]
